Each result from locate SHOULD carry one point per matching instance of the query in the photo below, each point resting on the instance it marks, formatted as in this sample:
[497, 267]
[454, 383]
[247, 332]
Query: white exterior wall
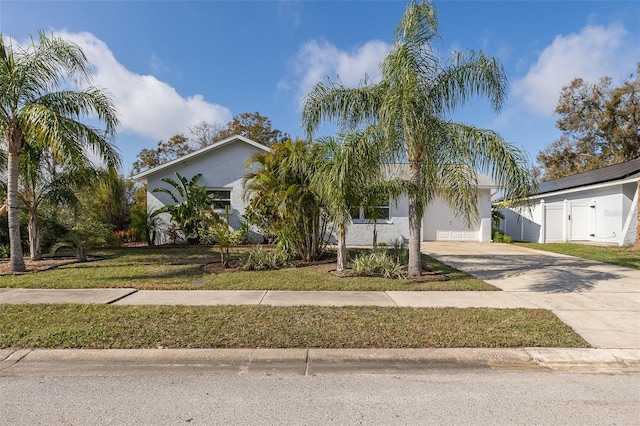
[598, 214]
[222, 168]
[360, 233]
[440, 222]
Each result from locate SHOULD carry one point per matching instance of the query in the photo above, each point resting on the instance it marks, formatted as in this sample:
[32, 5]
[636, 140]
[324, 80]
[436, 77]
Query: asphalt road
[457, 397]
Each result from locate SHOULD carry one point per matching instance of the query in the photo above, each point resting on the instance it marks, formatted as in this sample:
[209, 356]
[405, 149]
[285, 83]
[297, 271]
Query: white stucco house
[223, 166]
[598, 206]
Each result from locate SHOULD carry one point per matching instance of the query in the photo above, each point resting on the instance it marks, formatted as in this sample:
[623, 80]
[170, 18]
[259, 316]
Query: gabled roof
[626, 170]
[200, 152]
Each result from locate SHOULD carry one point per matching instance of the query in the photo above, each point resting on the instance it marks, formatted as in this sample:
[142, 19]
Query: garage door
[457, 236]
[441, 224]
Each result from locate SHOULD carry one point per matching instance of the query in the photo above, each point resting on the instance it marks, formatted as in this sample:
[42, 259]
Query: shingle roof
[628, 169]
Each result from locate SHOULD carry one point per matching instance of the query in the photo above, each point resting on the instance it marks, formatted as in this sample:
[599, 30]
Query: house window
[220, 198]
[369, 214]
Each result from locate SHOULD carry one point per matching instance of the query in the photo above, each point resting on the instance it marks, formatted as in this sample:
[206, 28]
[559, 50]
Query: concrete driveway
[601, 302]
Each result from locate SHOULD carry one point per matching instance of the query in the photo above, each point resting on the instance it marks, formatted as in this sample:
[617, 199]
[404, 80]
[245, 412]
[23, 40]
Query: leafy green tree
[192, 208]
[283, 181]
[143, 223]
[176, 146]
[35, 106]
[254, 126]
[600, 126]
[108, 198]
[416, 92]
[251, 125]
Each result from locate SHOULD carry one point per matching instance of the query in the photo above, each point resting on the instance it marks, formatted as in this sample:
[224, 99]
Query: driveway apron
[601, 302]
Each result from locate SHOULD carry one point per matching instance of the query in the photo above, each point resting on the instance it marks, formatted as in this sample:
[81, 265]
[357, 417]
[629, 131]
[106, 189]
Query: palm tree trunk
[34, 237]
[342, 248]
[15, 242]
[415, 265]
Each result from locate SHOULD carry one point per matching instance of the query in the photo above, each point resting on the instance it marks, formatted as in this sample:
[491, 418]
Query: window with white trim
[378, 213]
[220, 198]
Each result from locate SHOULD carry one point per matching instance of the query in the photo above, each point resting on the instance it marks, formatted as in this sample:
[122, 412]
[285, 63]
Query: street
[460, 396]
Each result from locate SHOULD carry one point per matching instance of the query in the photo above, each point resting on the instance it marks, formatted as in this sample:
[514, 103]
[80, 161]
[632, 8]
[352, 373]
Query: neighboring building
[223, 167]
[597, 206]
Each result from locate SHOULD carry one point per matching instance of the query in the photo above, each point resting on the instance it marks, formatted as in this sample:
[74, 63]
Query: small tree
[221, 232]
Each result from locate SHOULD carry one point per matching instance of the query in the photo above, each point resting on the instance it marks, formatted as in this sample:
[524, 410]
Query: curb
[308, 362]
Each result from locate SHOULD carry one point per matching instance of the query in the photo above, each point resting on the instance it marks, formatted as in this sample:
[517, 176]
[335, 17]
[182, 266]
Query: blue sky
[172, 64]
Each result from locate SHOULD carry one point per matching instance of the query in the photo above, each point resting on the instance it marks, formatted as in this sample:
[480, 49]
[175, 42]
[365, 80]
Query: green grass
[621, 256]
[181, 267]
[108, 326]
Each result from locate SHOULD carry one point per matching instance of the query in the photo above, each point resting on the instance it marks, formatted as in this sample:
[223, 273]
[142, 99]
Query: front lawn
[621, 256]
[185, 267]
[108, 326]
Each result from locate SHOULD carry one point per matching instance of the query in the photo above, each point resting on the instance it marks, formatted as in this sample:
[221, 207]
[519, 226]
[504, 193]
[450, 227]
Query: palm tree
[34, 106]
[43, 181]
[285, 200]
[416, 91]
[349, 167]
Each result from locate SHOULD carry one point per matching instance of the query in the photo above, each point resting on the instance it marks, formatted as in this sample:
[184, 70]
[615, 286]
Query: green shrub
[499, 237]
[258, 259]
[378, 263]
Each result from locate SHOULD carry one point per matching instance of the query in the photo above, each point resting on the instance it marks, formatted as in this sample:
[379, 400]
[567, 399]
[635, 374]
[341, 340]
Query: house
[223, 167]
[597, 206]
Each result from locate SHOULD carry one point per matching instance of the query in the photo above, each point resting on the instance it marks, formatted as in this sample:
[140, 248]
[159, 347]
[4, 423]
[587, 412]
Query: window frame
[362, 216]
[218, 199]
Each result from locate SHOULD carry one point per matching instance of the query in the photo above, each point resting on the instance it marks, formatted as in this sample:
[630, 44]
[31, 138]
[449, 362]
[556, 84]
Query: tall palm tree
[35, 106]
[416, 92]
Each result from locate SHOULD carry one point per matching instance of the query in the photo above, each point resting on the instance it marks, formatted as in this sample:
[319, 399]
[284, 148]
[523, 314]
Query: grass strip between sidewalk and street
[107, 326]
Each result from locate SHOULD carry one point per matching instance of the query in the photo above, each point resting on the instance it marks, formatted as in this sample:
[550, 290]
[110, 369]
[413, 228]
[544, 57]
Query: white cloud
[316, 60]
[590, 54]
[147, 106]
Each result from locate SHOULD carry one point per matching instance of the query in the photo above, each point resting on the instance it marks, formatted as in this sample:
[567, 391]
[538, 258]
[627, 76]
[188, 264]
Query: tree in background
[35, 106]
[176, 146]
[416, 92]
[109, 199]
[253, 126]
[250, 125]
[600, 127]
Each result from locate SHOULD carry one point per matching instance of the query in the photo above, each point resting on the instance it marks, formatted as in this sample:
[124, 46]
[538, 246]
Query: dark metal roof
[619, 171]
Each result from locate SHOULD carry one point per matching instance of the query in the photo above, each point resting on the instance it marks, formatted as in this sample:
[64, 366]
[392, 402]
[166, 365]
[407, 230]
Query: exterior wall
[590, 214]
[440, 222]
[360, 233]
[222, 168]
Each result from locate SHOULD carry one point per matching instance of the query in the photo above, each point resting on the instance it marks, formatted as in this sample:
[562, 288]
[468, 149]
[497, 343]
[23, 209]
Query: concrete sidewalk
[460, 299]
[600, 302]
